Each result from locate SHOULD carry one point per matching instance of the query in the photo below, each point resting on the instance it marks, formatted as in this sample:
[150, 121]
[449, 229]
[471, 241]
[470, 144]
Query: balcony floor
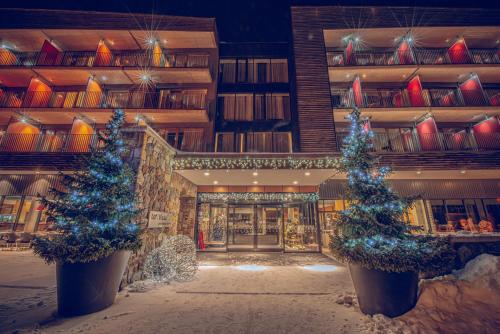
[100, 116]
[16, 76]
[410, 114]
[428, 73]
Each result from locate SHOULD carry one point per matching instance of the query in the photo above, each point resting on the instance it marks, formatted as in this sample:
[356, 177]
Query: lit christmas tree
[93, 213]
[372, 232]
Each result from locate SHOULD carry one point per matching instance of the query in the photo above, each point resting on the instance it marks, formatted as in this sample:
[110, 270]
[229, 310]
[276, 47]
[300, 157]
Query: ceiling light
[307, 173]
[419, 172]
[104, 78]
[295, 182]
[462, 171]
[206, 174]
[255, 182]
[364, 76]
[255, 174]
[216, 182]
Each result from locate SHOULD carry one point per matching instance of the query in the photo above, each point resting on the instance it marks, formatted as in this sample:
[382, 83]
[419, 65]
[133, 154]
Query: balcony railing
[403, 98]
[415, 56]
[112, 99]
[441, 141]
[116, 59]
[15, 142]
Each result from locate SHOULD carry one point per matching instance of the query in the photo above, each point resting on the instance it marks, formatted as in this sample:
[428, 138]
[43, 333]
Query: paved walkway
[232, 293]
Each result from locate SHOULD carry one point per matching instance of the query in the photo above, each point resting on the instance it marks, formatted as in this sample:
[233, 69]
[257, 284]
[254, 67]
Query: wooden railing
[115, 59]
[105, 100]
[15, 142]
[402, 98]
[377, 57]
[441, 141]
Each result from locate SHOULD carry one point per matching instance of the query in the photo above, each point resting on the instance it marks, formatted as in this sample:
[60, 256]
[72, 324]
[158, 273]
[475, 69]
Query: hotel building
[236, 142]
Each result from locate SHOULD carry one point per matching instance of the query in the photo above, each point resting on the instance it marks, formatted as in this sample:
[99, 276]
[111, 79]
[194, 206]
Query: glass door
[241, 227]
[269, 227]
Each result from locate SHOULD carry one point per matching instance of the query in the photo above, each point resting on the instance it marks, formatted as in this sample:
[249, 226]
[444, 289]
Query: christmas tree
[94, 212]
[372, 232]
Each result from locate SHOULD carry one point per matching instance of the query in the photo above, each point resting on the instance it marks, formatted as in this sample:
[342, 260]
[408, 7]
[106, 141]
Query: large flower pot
[84, 288]
[387, 293]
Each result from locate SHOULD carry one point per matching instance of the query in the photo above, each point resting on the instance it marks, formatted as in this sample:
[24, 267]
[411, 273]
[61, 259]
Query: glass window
[28, 215]
[492, 207]
[212, 225]
[456, 214]
[228, 70]
[9, 209]
[300, 227]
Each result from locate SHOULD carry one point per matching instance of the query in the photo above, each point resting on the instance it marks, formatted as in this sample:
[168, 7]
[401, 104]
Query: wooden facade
[314, 110]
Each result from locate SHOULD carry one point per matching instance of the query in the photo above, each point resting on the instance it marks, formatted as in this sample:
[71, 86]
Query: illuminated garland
[254, 163]
[279, 197]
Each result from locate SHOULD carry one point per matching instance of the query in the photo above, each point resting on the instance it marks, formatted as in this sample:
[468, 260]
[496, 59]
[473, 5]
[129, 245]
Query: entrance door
[269, 227]
[241, 227]
[252, 227]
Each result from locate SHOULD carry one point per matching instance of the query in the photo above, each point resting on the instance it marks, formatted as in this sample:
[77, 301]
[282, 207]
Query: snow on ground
[468, 301]
[232, 293]
[252, 293]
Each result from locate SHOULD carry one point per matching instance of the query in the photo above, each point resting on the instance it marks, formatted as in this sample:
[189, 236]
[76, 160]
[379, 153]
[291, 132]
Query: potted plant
[93, 216]
[383, 255]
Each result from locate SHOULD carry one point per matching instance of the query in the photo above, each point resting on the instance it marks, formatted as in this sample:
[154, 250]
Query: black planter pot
[387, 293]
[84, 288]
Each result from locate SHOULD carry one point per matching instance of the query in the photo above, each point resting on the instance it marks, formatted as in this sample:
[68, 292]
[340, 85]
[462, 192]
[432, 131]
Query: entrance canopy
[255, 169]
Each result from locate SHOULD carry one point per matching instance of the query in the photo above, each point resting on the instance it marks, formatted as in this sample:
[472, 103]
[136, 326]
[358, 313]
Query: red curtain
[415, 92]
[349, 54]
[404, 53]
[49, 54]
[428, 135]
[357, 93]
[472, 92]
[487, 133]
[458, 53]
[103, 55]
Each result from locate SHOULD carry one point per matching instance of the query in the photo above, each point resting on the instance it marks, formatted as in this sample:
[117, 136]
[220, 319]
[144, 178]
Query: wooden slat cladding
[28, 184]
[316, 125]
[314, 111]
[43, 161]
[66, 19]
[427, 189]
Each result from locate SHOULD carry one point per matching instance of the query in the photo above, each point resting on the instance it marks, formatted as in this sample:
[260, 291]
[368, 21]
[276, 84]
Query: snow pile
[466, 301]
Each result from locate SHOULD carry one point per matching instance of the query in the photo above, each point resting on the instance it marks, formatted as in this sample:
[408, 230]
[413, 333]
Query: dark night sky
[237, 20]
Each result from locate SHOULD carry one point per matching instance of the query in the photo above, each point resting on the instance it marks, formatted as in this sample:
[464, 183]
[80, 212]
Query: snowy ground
[252, 293]
[232, 293]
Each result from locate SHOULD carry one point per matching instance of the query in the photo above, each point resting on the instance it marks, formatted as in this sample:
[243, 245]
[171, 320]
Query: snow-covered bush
[175, 260]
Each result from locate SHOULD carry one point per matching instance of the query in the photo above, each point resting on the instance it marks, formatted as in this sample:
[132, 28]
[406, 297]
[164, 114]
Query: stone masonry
[157, 188]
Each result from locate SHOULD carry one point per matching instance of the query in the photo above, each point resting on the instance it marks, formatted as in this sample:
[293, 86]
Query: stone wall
[157, 188]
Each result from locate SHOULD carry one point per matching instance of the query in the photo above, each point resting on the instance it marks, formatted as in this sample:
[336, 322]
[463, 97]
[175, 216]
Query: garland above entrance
[289, 162]
[248, 196]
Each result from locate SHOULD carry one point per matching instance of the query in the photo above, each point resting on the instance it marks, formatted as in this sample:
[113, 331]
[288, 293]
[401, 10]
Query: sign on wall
[159, 219]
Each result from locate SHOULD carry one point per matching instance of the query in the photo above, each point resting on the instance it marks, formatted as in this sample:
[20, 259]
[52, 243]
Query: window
[9, 209]
[249, 107]
[253, 142]
[187, 139]
[254, 70]
[228, 70]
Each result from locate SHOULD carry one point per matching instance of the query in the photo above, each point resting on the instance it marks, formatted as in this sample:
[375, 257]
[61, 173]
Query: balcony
[436, 65]
[162, 106]
[48, 142]
[116, 59]
[400, 98]
[400, 105]
[416, 56]
[124, 67]
[430, 142]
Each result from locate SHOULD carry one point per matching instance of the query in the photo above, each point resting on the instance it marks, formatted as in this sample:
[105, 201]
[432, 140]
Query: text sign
[159, 219]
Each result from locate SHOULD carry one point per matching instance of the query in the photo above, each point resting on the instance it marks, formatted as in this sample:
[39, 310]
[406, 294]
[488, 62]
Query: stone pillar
[157, 188]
